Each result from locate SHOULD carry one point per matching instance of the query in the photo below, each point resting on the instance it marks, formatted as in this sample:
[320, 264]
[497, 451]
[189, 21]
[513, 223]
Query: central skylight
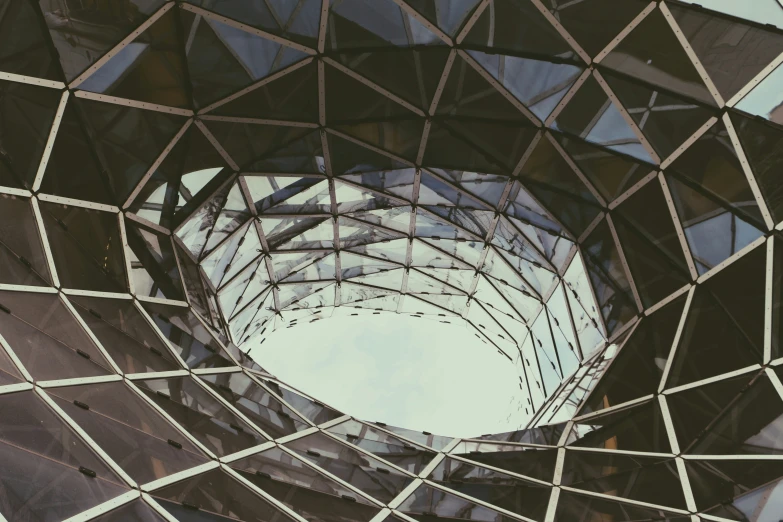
[419, 373]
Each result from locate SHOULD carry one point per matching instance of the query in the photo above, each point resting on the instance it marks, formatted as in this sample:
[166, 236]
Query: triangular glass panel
[636, 428]
[43, 459]
[427, 503]
[538, 84]
[611, 174]
[761, 142]
[637, 370]
[223, 59]
[730, 488]
[354, 233]
[73, 146]
[99, 31]
[352, 466]
[132, 433]
[595, 23]
[313, 410]
[300, 196]
[732, 52]
[233, 215]
[395, 218]
[572, 506]
[531, 461]
[256, 403]
[651, 53]
[217, 496]
[650, 243]
[508, 492]
[203, 416]
[128, 140]
[735, 416]
[22, 260]
[593, 117]
[477, 145]
[435, 191]
[646, 479]
[241, 247]
[448, 15]
[356, 25]
[25, 46]
[150, 69]
[154, 269]
[297, 22]
[666, 120]
[47, 339]
[548, 176]
[248, 142]
[724, 330]
[125, 334]
[354, 199]
[198, 226]
[26, 116]
[292, 97]
[517, 28]
[605, 268]
[467, 94]
[188, 336]
[765, 99]
[303, 489]
[86, 246]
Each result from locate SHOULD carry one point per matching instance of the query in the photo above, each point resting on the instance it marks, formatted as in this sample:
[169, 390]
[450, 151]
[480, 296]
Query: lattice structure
[590, 185]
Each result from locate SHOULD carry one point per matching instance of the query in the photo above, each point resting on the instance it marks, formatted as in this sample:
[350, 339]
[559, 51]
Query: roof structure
[593, 186]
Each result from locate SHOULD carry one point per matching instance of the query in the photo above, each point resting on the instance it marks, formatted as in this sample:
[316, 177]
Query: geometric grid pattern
[589, 185]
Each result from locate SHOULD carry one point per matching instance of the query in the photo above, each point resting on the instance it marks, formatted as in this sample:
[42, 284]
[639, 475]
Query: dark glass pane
[381, 444]
[188, 336]
[650, 243]
[635, 428]
[365, 473]
[652, 53]
[260, 406]
[22, 259]
[86, 246]
[47, 339]
[201, 414]
[213, 494]
[647, 479]
[728, 417]
[727, 488]
[128, 140]
[724, 330]
[26, 116]
[637, 370]
[73, 146]
[305, 491]
[572, 506]
[531, 461]
[40, 477]
[315, 412]
[499, 489]
[131, 432]
[24, 43]
[428, 504]
[150, 69]
[125, 334]
[731, 51]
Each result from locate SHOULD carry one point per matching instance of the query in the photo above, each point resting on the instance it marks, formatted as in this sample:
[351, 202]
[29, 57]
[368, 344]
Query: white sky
[413, 373]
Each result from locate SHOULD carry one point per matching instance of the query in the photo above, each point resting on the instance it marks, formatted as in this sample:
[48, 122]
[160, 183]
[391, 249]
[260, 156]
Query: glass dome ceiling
[591, 185]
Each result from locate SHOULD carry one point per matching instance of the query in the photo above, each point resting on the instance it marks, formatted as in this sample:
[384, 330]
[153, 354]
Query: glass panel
[86, 247]
[302, 489]
[133, 434]
[201, 414]
[21, 253]
[47, 339]
[362, 471]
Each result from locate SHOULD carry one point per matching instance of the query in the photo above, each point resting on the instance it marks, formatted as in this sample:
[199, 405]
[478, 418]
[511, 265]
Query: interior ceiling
[592, 185]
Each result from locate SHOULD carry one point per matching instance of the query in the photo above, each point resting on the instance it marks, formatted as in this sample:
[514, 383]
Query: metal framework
[590, 185]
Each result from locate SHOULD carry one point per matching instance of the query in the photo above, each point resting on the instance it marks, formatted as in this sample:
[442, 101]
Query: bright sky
[413, 373]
